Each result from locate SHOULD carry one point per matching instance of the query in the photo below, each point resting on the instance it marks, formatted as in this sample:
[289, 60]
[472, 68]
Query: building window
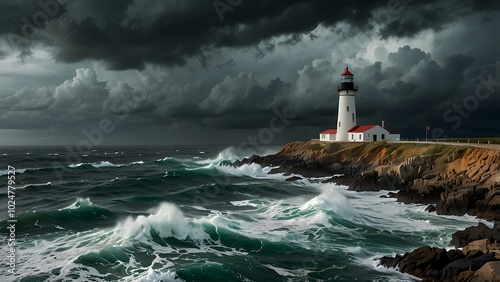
[352, 117]
[347, 108]
[352, 136]
[383, 136]
[359, 137]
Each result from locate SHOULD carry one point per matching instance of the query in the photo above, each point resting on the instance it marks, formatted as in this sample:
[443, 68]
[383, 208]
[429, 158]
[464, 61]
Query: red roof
[346, 72]
[361, 128]
[329, 131]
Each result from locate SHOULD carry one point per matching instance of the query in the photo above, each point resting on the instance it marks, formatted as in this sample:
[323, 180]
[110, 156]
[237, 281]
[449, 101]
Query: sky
[250, 72]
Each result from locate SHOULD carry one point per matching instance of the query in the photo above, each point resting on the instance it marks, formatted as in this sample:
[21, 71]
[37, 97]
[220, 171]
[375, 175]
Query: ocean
[184, 213]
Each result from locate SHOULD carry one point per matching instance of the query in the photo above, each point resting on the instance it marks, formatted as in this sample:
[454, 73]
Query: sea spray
[140, 221]
[331, 198]
[166, 221]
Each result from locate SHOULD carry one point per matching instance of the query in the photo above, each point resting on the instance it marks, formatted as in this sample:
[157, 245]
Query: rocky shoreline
[451, 179]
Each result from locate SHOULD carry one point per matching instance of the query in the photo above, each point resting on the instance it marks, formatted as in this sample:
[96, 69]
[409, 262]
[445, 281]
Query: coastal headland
[452, 179]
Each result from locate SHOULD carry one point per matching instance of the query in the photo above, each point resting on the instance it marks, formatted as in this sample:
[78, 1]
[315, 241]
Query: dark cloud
[214, 70]
[128, 34]
[417, 16]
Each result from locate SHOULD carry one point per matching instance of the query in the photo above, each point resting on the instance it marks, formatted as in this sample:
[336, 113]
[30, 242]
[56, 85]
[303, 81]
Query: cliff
[453, 179]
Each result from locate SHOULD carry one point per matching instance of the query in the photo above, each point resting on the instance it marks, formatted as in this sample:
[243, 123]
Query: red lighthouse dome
[346, 72]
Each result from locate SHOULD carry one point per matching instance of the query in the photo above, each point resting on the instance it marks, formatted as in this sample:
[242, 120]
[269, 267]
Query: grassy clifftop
[378, 152]
[445, 158]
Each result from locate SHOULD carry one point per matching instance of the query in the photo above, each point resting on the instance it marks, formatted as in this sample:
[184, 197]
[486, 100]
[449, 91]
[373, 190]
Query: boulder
[454, 268]
[421, 260]
[430, 208]
[478, 245]
[462, 238]
[407, 172]
[391, 262]
[427, 194]
[427, 262]
[465, 276]
[489, 206]
[457, 201]
[488, 272]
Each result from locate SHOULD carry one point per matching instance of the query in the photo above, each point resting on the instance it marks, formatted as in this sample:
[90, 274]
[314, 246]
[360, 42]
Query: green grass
[316, 147]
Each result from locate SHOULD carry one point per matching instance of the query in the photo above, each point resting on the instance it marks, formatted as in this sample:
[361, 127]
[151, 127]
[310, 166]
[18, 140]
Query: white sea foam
[332, 219]
[155, 276]
[233, 154]
[96, 164]
[79, 203]
[164, 159]
[40, 255]
[35, 185]
[331, 199]
[167, 221]
[245, 203]
[228, 154]
[252, 170]
[199, 208]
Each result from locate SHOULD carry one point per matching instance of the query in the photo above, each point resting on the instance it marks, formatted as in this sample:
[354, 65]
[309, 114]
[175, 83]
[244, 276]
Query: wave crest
[167, 221]
[96, 164]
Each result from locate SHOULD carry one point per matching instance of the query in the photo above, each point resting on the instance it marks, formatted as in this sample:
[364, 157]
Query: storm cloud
[186, 65]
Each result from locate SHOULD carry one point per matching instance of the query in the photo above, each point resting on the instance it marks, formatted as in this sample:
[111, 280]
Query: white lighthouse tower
[347, 129]
[347, 105]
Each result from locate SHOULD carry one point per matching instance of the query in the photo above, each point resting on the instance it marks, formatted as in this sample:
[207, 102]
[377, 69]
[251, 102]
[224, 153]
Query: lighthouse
[347, 105]
[347, 129]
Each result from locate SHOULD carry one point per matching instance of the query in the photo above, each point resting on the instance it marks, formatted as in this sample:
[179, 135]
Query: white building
[328, 135]
[347, 129]
[367, 133]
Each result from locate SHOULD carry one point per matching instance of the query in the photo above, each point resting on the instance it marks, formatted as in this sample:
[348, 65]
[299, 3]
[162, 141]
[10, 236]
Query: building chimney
[383, 124]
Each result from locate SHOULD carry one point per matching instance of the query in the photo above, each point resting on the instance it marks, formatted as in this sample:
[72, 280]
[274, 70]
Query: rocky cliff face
[454, 179]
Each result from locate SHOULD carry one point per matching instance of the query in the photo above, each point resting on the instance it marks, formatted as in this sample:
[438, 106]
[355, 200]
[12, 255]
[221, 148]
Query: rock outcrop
[455, 179]
[435, 264]
[452, 180]
[462, 238]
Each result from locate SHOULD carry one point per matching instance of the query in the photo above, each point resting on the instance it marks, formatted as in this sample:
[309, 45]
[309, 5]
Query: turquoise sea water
[186, 214]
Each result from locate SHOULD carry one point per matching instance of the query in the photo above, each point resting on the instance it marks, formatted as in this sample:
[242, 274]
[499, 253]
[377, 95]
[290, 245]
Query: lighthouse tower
[347, 105]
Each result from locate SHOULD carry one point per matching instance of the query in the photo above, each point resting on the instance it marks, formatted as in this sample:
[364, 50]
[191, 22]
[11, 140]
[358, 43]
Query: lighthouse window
[347, 108]
[339, 123]
[352, 117]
